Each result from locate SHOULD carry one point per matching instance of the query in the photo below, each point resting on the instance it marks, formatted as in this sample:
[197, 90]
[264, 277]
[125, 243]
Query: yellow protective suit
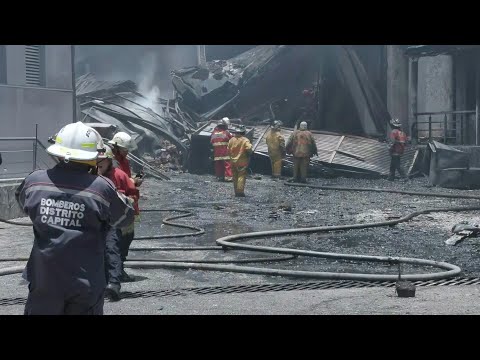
[239, 149]
[276, 150]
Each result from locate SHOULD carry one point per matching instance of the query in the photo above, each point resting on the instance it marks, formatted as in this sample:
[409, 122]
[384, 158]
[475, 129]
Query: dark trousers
[125, 242]
[394, 166]
[47, 302]
[113, 259]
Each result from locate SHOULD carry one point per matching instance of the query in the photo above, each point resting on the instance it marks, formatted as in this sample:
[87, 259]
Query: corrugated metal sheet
[349, 152]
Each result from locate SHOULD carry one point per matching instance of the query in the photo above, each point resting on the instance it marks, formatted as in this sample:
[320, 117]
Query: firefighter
[239, 149]
[276, 149]
[398, 140]
[71, 211]
[219, 141]
[121, 144]
[124, 185]
[302, 146]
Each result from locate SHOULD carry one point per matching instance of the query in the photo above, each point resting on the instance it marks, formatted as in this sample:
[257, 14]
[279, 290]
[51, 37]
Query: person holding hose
[124, 185]
[121, 144]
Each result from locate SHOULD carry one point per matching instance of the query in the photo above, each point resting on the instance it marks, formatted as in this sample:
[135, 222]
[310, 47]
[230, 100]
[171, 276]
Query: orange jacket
[124, 165]
[398, 139]
[124, 185]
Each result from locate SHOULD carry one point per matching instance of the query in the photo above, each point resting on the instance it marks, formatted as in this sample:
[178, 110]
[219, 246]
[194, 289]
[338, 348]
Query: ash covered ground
[220, 213]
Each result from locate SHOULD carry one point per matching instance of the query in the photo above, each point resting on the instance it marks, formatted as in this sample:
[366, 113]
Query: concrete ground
[220, 214]
[443, 300]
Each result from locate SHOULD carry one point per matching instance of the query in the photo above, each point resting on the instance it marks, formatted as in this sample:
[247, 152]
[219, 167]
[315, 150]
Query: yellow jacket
[239, 149]
[276, 144]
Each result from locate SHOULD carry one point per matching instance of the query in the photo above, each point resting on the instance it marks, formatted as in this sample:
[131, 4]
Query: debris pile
[149, 119]
[344, 154]
[270, 82]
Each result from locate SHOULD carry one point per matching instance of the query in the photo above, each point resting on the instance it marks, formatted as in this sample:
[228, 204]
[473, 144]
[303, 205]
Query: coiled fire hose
[231, 242]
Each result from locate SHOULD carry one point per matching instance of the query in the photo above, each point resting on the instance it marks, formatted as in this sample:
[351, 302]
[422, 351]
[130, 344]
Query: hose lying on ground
[229, 242]
[166, 221]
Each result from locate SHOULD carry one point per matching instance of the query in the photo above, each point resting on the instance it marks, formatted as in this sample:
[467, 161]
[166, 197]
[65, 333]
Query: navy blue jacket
[71, 212]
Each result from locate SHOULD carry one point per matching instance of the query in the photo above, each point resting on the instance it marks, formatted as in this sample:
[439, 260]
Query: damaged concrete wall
[435, 90]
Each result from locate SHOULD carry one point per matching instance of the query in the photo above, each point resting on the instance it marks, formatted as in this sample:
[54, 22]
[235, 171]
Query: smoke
[147, 65]
[146, 80]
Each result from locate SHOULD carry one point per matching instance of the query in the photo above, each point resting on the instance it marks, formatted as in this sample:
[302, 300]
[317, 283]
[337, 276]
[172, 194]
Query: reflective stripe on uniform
[220, 144]
[61, 190]
[221, 158]
[123, 217]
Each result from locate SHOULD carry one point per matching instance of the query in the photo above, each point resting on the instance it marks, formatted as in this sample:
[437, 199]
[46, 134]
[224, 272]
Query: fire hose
[231, 242]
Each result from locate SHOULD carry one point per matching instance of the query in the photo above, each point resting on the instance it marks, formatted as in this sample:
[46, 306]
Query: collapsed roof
[344, 153]
[249, 84]
[148, 118]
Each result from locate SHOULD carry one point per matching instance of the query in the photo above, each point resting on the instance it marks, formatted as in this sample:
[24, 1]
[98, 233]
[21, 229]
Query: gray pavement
[216, 210]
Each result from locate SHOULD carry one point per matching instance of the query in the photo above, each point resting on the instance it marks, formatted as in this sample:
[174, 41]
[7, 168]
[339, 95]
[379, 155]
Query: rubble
[345, 154]
[149, 119]
[257, 86]
[450, 167]
[266, 83]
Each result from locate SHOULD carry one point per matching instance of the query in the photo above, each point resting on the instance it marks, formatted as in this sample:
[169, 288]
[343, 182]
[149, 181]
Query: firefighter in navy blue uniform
[71, 210]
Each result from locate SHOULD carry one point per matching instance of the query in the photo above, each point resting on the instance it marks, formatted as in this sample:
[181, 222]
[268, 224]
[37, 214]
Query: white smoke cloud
[148, 66]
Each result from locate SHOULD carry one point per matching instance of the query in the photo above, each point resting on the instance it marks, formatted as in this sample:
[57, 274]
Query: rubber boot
[113, 291]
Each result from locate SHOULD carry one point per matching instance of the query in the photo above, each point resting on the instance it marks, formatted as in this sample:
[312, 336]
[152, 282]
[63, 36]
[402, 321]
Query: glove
[130, 201]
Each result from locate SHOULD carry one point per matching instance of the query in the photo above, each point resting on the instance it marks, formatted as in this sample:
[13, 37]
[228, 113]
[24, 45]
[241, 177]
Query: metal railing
[448, 127]
[21, 155]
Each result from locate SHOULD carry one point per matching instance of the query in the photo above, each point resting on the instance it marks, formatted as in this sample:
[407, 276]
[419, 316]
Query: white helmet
[303, 125]
[277, 124]
[395, 123]
[107, 154]
[225, 121]
[76, 141]
[122, 140]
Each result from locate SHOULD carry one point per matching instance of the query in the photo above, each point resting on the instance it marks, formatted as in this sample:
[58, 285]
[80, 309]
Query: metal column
[35, 148]
[477, 103]
[412, 91]
[201, 55]
[74, 87]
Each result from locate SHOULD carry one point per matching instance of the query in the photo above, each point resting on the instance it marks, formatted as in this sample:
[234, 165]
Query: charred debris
[327, 86]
